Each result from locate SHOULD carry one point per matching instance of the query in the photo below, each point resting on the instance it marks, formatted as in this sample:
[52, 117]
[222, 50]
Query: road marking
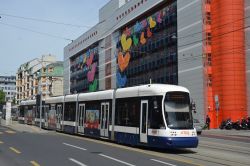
[15, 150]
[77, 162]
[1, 142]
[34, 163]
[77, 147]
[151, 153]
[1, 132]
[116, 160]
[10, 131]
[162, 162]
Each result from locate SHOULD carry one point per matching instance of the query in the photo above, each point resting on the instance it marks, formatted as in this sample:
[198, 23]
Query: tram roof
[101, 95]
[71, 98]
[51, 100]
[148, 90]
[28, 102]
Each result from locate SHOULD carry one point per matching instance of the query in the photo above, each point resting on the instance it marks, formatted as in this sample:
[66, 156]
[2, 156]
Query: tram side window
[45, 112]
[70, 111]
[155, 113]
[93, 105]
[128, 112]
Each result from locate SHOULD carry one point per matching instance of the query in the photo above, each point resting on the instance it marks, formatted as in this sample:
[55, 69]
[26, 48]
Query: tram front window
[177, 111]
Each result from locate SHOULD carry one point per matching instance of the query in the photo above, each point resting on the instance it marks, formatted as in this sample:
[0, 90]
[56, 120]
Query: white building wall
[190, 68]
[102, 64]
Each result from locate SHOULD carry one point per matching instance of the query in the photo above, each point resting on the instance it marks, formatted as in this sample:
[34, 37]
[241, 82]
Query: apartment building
[38, 76]
[8, 85]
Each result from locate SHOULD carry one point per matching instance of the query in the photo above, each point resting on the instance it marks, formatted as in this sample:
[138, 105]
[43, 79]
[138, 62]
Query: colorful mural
[86, 65]
[92, 119]
[132, 37]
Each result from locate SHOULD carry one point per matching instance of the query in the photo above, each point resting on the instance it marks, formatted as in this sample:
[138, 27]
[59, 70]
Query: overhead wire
[41, 33]
[46, 21]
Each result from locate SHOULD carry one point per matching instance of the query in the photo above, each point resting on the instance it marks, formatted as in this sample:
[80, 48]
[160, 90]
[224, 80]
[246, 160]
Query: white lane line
[77, 147]
[162, 162]
[77, 162]
[123, 162]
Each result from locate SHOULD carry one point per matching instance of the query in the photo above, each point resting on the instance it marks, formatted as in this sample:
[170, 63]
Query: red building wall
[228, 60]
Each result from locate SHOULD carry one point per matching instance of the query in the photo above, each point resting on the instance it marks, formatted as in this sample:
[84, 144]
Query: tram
[154, 115]
[27, 112]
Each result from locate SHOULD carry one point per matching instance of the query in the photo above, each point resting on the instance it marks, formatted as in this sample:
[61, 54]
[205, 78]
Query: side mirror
[193, 107]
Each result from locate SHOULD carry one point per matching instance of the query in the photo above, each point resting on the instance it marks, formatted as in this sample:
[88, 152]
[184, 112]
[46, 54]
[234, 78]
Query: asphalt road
[52, 149]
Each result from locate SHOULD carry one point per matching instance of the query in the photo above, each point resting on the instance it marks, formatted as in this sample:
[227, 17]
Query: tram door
[58, 116]
[81, 115]
[104, 119]
[144, 121]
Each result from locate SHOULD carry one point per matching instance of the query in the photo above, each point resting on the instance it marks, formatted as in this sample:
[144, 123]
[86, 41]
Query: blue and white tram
[155, 115]
[53, 113]
[27, 112]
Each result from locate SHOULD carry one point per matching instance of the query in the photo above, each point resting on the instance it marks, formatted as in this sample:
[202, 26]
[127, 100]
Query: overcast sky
[18, 46]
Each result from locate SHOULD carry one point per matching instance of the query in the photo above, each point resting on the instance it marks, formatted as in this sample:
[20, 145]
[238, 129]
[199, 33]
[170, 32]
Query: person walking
[208, 122]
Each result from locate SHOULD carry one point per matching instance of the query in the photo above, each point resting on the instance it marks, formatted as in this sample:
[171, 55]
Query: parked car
[198, 126]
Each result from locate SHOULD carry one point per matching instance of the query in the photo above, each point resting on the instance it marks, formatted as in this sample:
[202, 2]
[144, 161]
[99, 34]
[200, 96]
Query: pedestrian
[208, 122]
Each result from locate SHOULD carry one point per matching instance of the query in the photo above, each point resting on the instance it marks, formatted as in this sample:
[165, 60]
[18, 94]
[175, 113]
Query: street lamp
[40, 92]
[40, 99]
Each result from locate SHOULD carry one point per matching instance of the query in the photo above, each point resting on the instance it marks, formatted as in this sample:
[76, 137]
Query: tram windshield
[177, 111]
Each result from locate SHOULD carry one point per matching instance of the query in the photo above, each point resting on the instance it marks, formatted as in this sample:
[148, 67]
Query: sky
[18, 41]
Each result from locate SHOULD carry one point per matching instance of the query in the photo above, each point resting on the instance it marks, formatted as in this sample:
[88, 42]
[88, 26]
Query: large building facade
[199, 44]
[8, 86]
[37, 76]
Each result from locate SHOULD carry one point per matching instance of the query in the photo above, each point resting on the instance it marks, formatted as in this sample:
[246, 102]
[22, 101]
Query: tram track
[209, 160]
[213, 153]
[225, 147]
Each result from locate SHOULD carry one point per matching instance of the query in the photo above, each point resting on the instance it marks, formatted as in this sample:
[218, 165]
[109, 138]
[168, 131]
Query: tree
[2, 97]
[14, 101]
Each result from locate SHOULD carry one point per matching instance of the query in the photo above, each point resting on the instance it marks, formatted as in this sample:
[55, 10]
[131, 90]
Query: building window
[209, 80]
[209, 59]
[208, 18]
[208, 1]
[208, 38]
[108, 69]
[108, 83]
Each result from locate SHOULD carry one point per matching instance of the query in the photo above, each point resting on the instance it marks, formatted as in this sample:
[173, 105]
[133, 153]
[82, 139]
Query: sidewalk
[14, 125]
[233, 132]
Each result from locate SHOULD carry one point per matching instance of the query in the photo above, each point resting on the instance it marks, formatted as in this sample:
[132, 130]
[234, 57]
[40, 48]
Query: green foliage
[14, 100]
[2, 97]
